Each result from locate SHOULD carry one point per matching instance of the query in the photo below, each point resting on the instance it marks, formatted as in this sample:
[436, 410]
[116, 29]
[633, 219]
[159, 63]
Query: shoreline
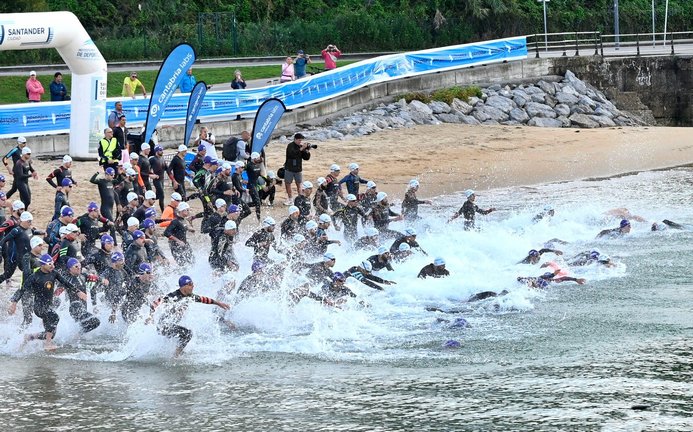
[462, 157]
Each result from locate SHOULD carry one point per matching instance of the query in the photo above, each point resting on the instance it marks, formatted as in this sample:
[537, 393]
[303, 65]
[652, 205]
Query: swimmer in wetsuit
[543, 281]
[623, 229]
[534, 256]
[469, 209]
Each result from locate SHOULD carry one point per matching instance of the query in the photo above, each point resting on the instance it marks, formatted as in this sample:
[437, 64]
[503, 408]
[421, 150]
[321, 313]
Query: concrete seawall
[656, 88]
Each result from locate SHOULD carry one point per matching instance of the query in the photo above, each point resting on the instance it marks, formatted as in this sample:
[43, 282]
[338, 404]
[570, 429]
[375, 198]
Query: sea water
[614, 354]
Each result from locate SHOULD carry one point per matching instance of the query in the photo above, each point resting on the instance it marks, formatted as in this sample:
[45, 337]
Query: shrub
[419, 96]
[462, 93]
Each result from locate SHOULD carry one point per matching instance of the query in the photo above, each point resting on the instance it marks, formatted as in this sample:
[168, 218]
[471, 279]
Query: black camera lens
[313, 146]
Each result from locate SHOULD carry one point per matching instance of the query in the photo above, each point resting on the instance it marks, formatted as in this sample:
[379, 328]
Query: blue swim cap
[547, 275]
[66, 182]
[150, 213]
[233, 208]
[148, 223]
[594, 254]
[92, 206]
[117, 256]
[207, 159]
[460, 323]
[137, 234]
[542, 283]
[533, 253]
[184, 280]
[452, 344]
[110, 171]
[106, 239]
[67, 211]
[338, 276]
[46, 259]
[257, 265]
[144, 268]
[625, 223]
[2, 178]
[72, 262]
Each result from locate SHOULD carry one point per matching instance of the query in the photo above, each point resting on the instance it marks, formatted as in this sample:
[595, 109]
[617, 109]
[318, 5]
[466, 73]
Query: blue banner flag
[194, 104]
[172, 71]
[266, 120]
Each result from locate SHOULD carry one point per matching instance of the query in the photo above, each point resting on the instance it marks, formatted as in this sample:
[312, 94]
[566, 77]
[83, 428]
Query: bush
[419, 96]
[462, 93]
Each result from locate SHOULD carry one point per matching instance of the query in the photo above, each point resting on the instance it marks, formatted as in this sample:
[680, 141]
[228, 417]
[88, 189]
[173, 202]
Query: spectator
[115, 115]
[34, 88]
[130, 85]
[58, 89]
[109, 152]
[120, 133]
[205, 138]
[188, 82]
[237, 148]
[238, 82]
[302, 59]
[296, 152]
[287, 71]
[331, 54]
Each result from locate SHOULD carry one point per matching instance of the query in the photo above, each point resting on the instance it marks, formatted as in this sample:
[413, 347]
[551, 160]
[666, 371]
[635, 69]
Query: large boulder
[562, 109]
[449, 118]
[416, 106]
[438, 107]
[603, 121]
[467, 119]
[544, 122]
[538, 97]
[566, 98]
[535, 109]
[520, 100]
[461, 106]
[519, 115]
[492, 113]
[473, 100]
[583, 121]
[502, 103]
[547, 87]
[577, 84]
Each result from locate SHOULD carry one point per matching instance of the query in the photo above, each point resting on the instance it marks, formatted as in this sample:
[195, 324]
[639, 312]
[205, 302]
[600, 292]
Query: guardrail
[609, 45]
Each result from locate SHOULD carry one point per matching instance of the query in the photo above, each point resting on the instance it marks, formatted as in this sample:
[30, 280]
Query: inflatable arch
[64, 32]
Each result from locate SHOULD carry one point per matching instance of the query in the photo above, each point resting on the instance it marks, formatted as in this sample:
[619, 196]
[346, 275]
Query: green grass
[12, 88]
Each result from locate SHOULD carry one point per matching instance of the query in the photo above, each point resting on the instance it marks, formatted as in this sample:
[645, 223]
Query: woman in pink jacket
[34, 88]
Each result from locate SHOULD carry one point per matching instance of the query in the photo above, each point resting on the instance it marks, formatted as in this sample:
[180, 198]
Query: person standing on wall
[188, 82]
[58, 89]
[130, 85]
[302, 59]
[34, 88]
[330, 55]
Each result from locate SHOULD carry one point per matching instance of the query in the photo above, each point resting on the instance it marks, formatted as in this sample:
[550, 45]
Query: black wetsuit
[222, 257]
[176, 170]
[379, 265]
[15, 244]
[403, 239]
[381, 219]
[468, 211]
[59, 174]
[117, 286]
[261, 241]
[78, 307]
[289, 227]
[145, 170]
[22, 173]
[158, 167]
[182, 253]
[365, 278]
[135, 297]
[176, 305]
[92, 230]
[42, 285]
[107, 194]
[253, 171]
[30, 263]
[319, 273]
[350, 218]
[410, 206]
[303, 204]
[134, 256]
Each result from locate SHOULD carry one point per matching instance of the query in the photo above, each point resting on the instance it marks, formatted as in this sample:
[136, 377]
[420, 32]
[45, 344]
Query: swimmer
[667, 224]
[435, 269]
[547, 214]
[469, 209]
[624, 213]
[623, 229]
[534, 256]
[544, 280]
[476, 297]
[362, 273]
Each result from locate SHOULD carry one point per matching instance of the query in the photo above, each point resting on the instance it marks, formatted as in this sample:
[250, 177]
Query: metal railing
[622, 45]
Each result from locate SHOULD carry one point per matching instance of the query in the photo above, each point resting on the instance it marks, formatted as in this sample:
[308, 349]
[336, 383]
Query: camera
[313, 146]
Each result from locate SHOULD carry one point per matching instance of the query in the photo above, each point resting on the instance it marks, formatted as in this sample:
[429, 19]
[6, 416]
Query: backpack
[228, 151]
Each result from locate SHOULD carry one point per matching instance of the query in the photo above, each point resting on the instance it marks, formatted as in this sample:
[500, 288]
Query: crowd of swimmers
[109, 254]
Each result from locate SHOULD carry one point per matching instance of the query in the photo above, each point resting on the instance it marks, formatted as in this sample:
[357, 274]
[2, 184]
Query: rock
[544, 122]
[535, 109]
[550, 100]
[494, 87]
[484, 96]
[493, 113]
[499, 102]
[583, 121]
[480, 115]
[467, 119]
[577, 84]
[461, 106]
[402, 103]
[336, 135]
[564, 121]
[547, 87]
[397, 121]
[566, 98]
[562, 109]
[520, 100]
[449, 118]
[473, 101]
[511, 123]
[381, 123]
[438, 107]
[490, 122]
[538, 97]
[379, 112]
[580, 109]
[601, 111]
[569, 89]
[624, 121]
[506, 93]
[603, 121]
[420, 107]
[518, 114]
[584, 100]
[532, 90]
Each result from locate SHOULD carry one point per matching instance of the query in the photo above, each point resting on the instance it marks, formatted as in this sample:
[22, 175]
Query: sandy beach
[448, 158]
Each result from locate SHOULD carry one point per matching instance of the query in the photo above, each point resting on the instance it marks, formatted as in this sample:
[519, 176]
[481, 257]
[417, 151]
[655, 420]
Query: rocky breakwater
[557, 103]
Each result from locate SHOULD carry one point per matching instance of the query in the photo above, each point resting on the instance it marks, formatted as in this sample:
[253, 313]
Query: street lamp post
[617, 37]
[666, 18]
[653, 24]
[546, 37]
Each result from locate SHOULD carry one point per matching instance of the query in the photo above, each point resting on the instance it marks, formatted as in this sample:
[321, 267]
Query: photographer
[296, 152]
[302, 59]
[238, 82]
[330, 55]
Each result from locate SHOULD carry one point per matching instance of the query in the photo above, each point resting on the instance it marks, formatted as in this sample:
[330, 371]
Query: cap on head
[71, 228]
[371, 232]
[36, 241]
[32, 73]
[366, 265]
[268, 222]
[158, 149]
[307, 185]
[63, 231]
[254, 155]
[311, 225]
[321, 181]
[293, 209]
[67, 159]
[271, 175]
[133, 221]
[145, 146]
[353, 166]
[183, 207]
[351, 197]
[382, 250]
[226, 166]
[26, 151]
[547, 275]
[335, 168]
[182, 148]
[233, 208]
[184, 280]
[26, 217]
[21, 140]
[18, 205]
[594, 254]
[257, 266]
[625, 223]
[67, 212]
[219, 203]
[468, 193]
[439, 262]
[137, 234]
[2, 178]
[148, 223]
[145, 268]
[548, 208]
[604, 259]
[106, 239]
[134, 156]
[117, 256]
[207, 159]
[381, 196]
[110, 171]
[533, 253]
[403, 247]
[150, 213]
[325, 218]
[338, 276]
[413, 184]
[410, 232]
[130, 172]
[201, 147]
[46, 259]
[229, 225]
[66, 182]
[371, 185]
[126, 166]
[71, 262]
[92, 207]
[175, 196]
[328, 256]
[150, 195]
